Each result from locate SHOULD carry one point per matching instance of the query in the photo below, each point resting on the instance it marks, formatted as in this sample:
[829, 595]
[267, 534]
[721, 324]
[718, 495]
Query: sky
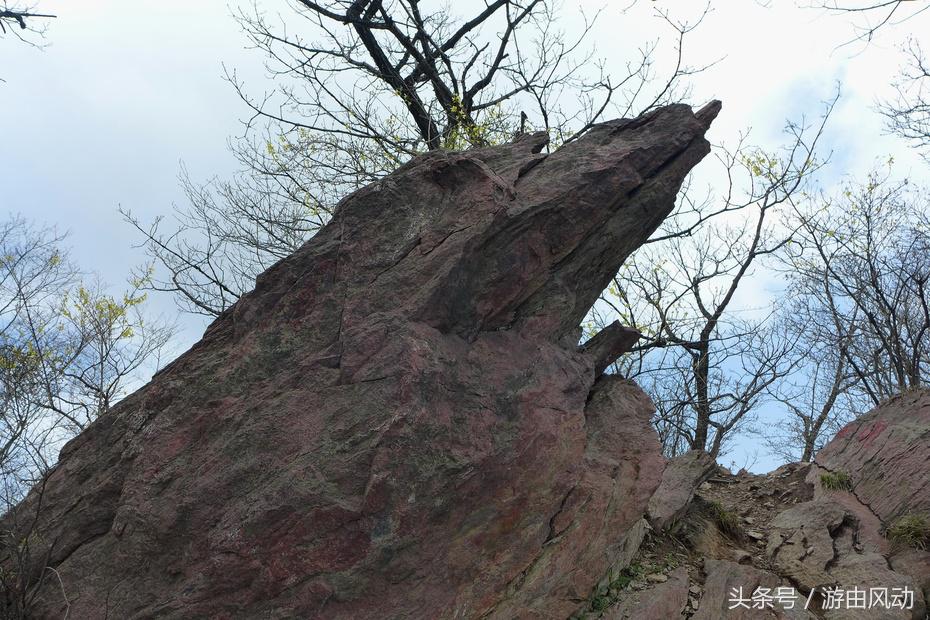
[122, 93]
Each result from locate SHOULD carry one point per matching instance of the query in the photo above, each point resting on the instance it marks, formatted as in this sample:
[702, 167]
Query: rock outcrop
[397, 422]
[729, 588]
[885, 453]
[809, 540]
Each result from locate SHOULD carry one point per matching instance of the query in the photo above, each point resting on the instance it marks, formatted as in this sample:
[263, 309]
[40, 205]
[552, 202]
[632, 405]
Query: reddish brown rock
[916, 564]
[817, 545]
[665, 601]
[729, 589]
[683, 475]
[805, 541]
[397, 421]
[867, 571]
[886, 452]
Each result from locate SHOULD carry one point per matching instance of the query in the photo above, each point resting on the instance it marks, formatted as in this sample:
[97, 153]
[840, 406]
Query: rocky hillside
[840, 536]
[398, 422]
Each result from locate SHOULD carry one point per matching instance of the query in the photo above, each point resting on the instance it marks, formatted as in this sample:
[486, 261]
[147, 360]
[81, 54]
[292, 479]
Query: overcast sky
[103, 116]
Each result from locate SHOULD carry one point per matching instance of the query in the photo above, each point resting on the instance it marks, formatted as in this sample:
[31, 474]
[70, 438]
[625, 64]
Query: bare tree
[858, 272]
[361, 86]
[33, 271]
[815, 395]
[707, 360]
[873, 15]
[908, 114]
[67, 352]
[868, 250]
[115, 341]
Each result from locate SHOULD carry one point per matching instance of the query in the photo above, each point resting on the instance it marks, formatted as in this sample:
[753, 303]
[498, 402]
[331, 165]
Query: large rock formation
[397, 422]
[886, 456]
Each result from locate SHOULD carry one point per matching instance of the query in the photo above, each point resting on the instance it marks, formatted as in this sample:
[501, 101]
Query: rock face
[683, 475]
[728, 583]
[397, 422]
[666, 600]
[802, 542]
[816, 545]
[916, 564]
[826, 548]
[885, 452]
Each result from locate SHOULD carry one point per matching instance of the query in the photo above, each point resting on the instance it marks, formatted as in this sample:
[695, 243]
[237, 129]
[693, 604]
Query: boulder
[867, 571]
[802, 541]
[682, 477]
[916, 564]
[398, 421]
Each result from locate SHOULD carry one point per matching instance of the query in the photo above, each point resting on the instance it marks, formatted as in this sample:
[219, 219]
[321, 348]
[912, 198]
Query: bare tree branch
[361, 86]
[707, 361]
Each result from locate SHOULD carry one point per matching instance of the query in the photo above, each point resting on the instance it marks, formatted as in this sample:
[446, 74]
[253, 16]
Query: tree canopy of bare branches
[707, 360]
[865, 258]
[859, 270]
[68, 351]
[359, 87]
[908, 114]
[20, 20]
[872, 15]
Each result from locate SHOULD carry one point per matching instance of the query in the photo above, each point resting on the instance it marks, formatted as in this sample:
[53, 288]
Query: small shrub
[910, 531]
[836, 481]
[627, 575]
[605, 596]
[600, 603]
[726, 521]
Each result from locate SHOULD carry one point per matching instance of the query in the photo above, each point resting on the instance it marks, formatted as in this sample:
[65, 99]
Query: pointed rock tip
[537, 140]
[708, 113]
